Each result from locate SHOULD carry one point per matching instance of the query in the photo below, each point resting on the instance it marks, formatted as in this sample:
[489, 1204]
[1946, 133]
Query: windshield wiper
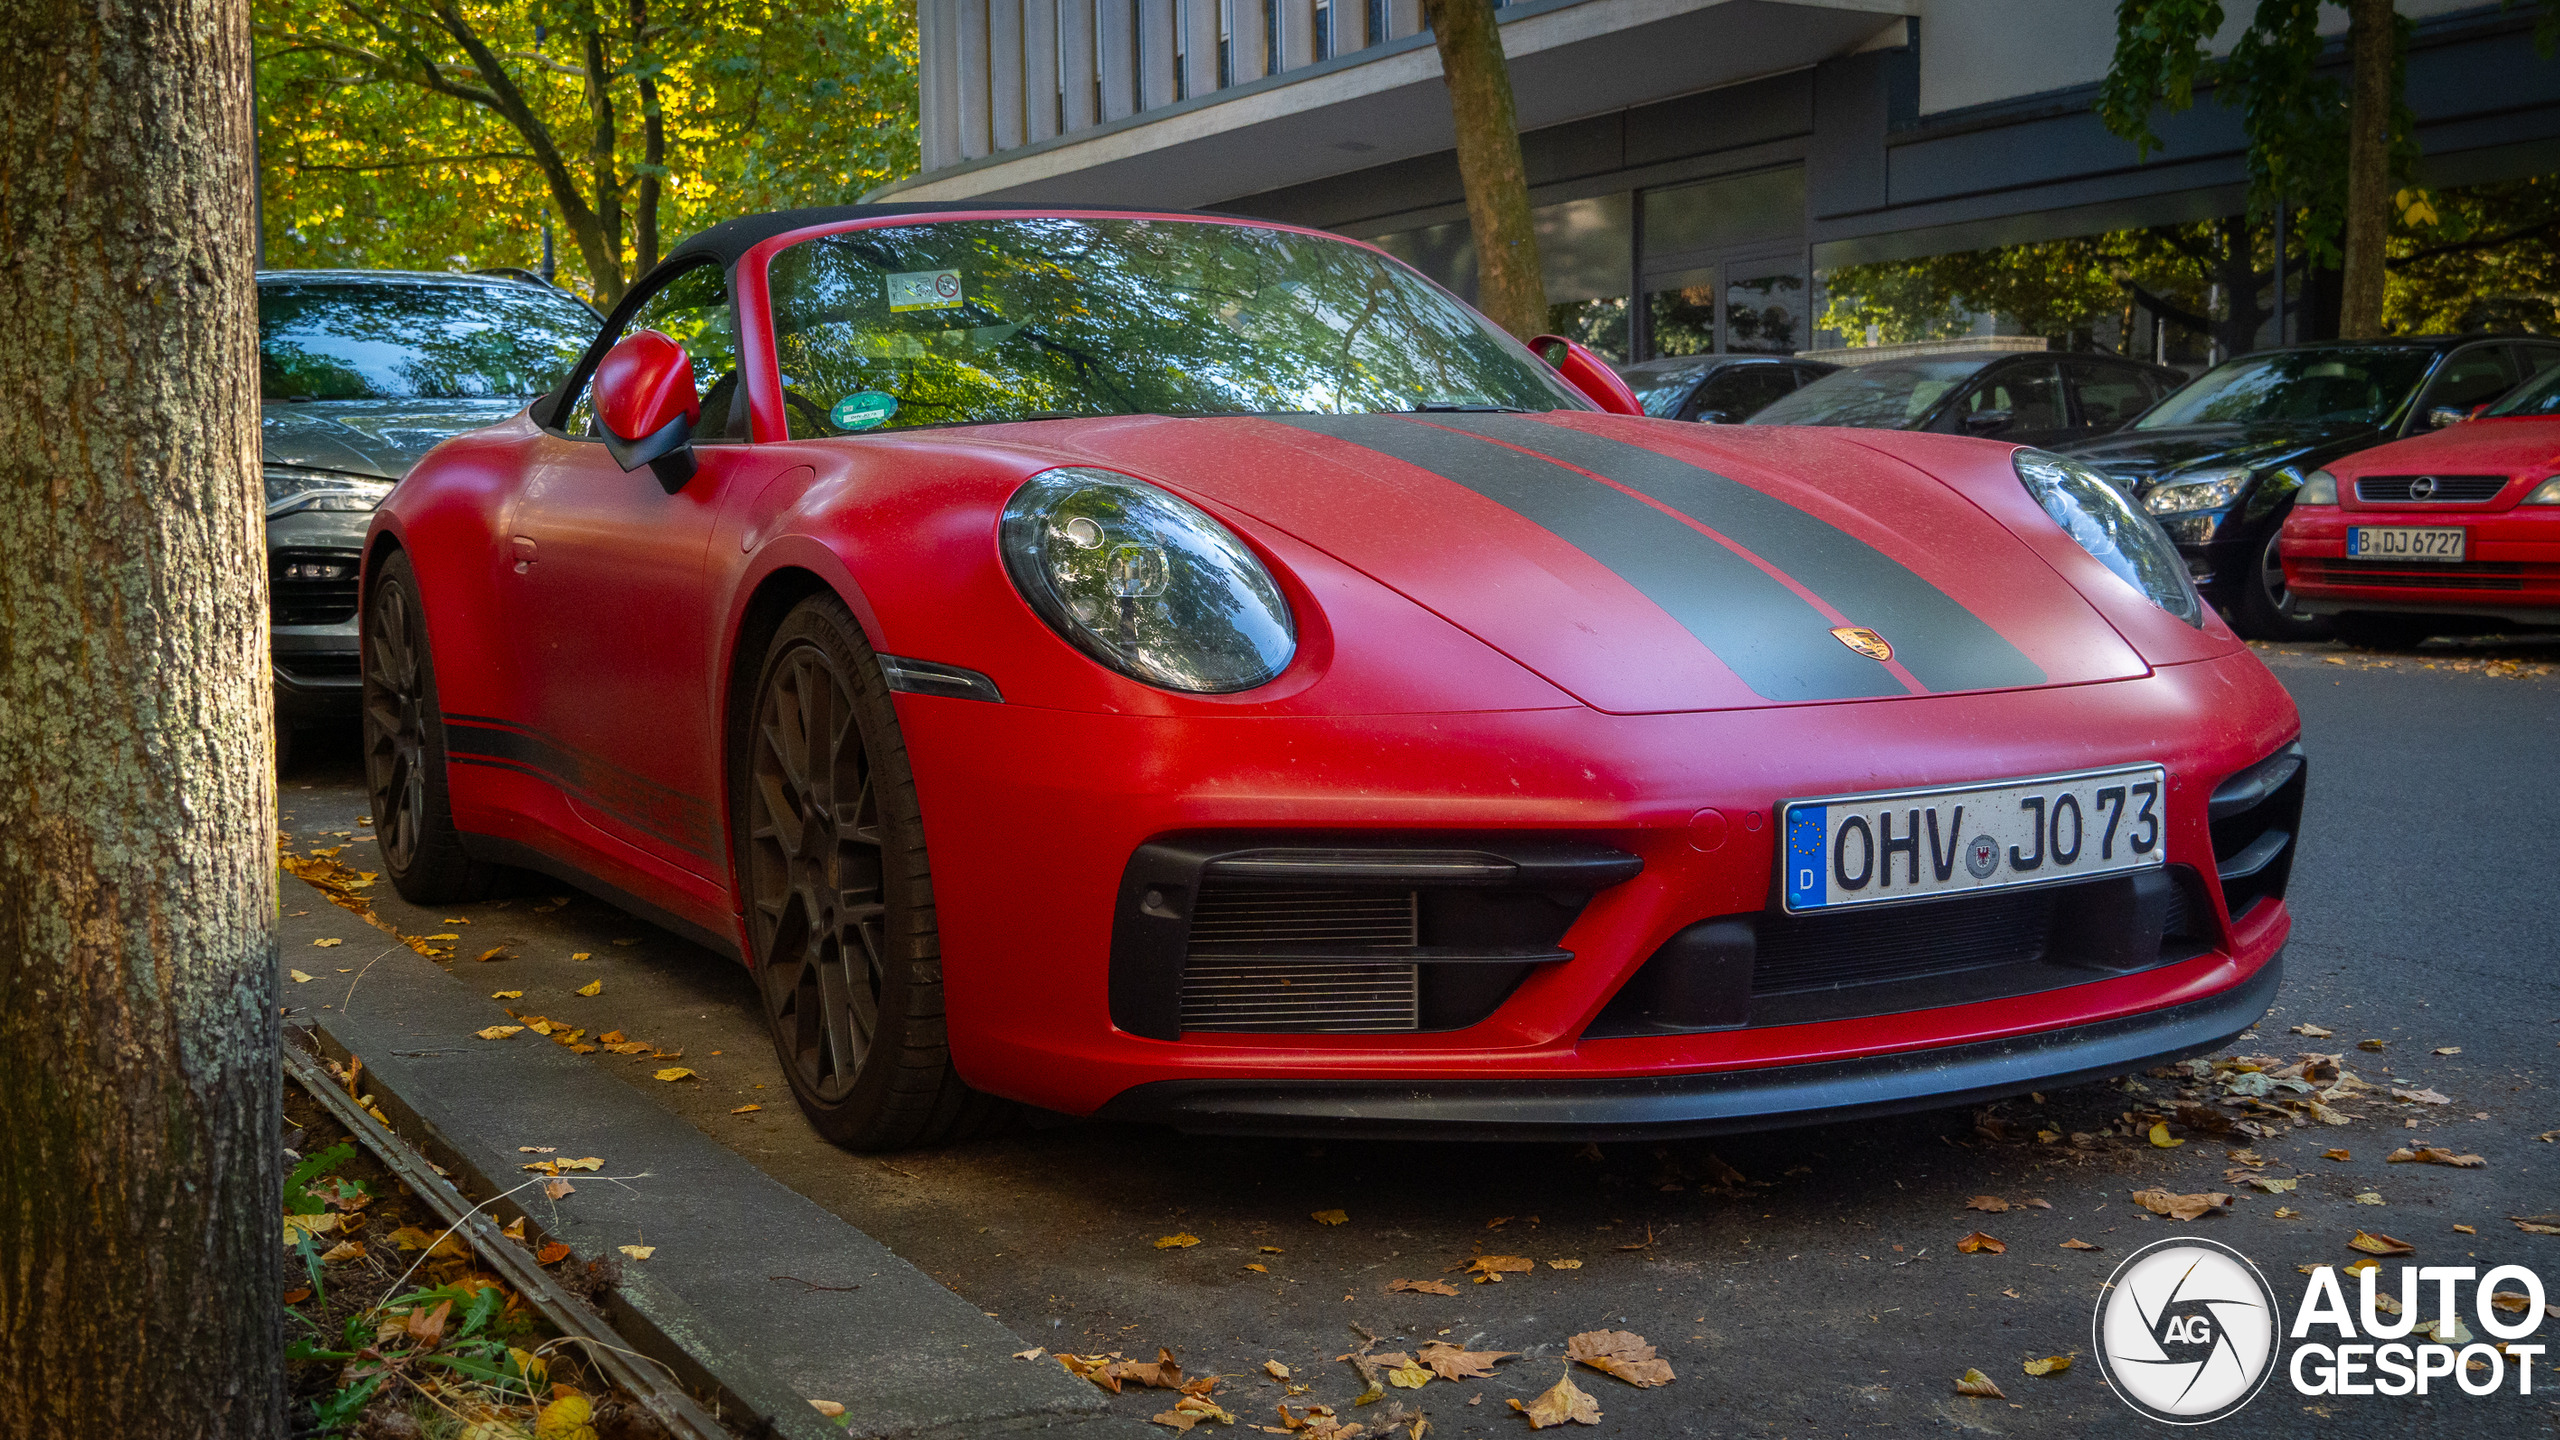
[1449, 408]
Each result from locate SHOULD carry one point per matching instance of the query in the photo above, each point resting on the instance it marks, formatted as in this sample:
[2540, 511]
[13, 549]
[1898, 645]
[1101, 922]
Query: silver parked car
[361, 373]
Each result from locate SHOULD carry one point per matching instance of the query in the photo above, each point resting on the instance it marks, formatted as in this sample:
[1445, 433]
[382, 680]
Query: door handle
[524, 554]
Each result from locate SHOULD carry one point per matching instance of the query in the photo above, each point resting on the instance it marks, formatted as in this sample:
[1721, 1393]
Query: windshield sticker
[862, 410]
[924, 290]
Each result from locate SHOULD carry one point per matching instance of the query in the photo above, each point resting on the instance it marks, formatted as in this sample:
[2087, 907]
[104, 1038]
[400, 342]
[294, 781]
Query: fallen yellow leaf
[1258, 1269]
[298, 977]
[1183, 1241]
[1621, 1353]
[1332, 1217]
[2049, 1365]
[746, 1109]
[497, 1032]
[494, 952]
[568, 1417]
[297, 1226]
[1421, 1287]
[2372, 1244]
[2078, 1245]
[589, 1163]
[1975, 1383]
[582, 955]
[828, 1408]
[592, 987]
[676, 1072]
[2181, 1207]
[326, 944]
[554, 1189]
[1275, 1369]
[2160, 1136]
[342, 1252]
[506, 994]
[1564, 1264]
[638, 1252]
[1978, 1243]
[1564, 1402]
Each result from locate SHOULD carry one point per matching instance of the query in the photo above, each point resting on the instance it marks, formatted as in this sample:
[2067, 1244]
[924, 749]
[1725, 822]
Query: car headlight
[2201, 492]
[1145, 582]
[2546, 493]
[2122, 538]
[2320, 489]
[289, 491]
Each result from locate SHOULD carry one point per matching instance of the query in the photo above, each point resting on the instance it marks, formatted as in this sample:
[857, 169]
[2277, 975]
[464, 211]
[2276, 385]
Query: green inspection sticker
[862, 410]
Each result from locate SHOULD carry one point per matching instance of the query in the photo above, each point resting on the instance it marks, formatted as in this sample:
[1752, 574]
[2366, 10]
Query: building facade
[1695, 164]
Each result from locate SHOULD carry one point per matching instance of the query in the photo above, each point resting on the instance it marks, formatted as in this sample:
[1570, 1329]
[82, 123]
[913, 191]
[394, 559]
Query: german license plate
[1849, 850]
[2404, 542]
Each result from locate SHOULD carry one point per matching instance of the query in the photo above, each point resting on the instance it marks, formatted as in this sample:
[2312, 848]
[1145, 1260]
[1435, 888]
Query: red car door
[610, 610]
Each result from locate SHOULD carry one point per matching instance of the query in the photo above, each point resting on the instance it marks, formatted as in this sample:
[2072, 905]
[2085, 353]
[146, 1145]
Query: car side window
[2032, 394]
[2535, 359]
[2108, 395]
[691, 307]
[1745, 390]
[2471, 377]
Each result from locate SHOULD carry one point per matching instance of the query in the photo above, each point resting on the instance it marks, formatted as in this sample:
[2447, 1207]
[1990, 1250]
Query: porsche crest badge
[1863, 640]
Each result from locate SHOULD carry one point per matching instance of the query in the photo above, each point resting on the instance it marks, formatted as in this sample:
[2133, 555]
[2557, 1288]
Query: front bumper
[1721, 1103]
[312, 622]
[1033, 816]
[2510, 571]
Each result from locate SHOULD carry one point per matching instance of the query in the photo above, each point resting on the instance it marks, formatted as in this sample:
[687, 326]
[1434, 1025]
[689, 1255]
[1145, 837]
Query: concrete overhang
[1569, 59]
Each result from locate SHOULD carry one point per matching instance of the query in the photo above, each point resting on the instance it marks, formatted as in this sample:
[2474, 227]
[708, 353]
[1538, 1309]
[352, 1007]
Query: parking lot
[1800, 1283]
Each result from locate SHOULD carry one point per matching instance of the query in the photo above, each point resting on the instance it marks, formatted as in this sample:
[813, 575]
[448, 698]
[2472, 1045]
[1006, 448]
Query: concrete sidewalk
[778, 1299]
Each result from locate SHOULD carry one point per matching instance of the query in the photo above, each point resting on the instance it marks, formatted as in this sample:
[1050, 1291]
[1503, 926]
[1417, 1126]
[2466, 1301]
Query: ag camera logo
[2186, 1331]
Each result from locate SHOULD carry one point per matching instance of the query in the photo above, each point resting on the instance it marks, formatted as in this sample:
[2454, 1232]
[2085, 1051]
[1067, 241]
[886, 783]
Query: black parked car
[2032, 397]
[362, 372]
[2218, 462]
[1717, 389]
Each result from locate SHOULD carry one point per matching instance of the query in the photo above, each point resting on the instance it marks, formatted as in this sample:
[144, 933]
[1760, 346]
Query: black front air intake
[311, 587]
[2256, 816]
[1293, 934]
[1772, 968]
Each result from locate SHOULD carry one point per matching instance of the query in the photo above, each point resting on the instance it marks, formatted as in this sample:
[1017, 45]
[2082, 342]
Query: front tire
[404, 756]
[2266, 601]
[840, 916]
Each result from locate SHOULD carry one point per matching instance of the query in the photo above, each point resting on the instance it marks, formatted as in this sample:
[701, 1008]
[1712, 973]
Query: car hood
[2518, 445]
[369, 437]
[1648, 566]
[2138, 457]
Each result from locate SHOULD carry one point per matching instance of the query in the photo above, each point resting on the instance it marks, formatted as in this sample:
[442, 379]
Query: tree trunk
[600, 147]
[1510, 286]
[644, 225]
[2372, 35]
[140, 1272]
[2235, 269]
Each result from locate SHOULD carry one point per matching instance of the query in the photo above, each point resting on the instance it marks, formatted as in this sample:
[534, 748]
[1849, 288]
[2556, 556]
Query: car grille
[322, 664]
[311, 587]
[2429, 489]
[1225, 986]
[2468, 575]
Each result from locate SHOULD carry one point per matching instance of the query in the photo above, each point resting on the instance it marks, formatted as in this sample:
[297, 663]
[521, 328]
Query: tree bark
[1511, 287]
[644, 225]
[140, 1272]
[2372, 34]
[601, 176]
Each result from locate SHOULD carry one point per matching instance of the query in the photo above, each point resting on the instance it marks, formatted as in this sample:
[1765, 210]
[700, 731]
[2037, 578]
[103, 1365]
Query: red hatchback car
[1186, 669]
[2453, 532]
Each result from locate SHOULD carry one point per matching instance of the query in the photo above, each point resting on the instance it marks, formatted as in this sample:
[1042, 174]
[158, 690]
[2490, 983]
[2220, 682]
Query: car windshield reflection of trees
[2353, 387]
[1885, 396]
[1060, 318]
[381, 341]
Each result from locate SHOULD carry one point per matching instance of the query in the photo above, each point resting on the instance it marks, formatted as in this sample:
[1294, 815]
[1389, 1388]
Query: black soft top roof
[730, 239]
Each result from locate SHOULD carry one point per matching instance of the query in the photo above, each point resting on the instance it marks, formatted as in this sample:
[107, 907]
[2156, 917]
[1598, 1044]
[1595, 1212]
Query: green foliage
[2053, 288]
[385, 141]
[2295, 118]
[298, 1196]
[2485, 258]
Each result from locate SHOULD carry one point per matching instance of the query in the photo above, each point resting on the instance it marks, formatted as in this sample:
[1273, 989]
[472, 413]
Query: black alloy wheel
[404, 758]
[2266, 601]
[839, 897]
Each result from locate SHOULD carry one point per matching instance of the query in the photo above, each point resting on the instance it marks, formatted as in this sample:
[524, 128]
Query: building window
[1270, 37]
[1226, 45]
[1377, 21]
[1324, 29]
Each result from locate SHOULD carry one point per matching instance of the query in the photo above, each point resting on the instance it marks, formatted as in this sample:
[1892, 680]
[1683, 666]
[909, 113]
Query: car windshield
[385, 340]
[971, 321]
[1884, 396]
[2356, 386]
[1661, 389]
[2537, 396]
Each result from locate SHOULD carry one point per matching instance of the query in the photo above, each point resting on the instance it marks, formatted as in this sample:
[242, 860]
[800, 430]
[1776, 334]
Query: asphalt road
[1801, 1283]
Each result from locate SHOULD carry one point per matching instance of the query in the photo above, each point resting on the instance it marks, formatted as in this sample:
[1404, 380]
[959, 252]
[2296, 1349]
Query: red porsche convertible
[1187, 669]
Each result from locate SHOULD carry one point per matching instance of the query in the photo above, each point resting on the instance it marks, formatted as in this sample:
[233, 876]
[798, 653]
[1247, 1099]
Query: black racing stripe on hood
[1944, 645]
[1765, 633]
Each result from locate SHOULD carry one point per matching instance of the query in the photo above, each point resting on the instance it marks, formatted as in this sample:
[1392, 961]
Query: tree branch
[411, 164]
[2488, 242]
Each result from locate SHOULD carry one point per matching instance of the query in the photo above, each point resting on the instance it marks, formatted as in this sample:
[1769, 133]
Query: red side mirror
[647, 408]
[1587, 373]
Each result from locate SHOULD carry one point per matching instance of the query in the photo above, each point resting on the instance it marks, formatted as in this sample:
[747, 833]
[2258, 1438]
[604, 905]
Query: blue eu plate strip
[1808, 887]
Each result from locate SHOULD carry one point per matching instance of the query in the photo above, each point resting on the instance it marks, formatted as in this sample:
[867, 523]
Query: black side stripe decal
[680, 820]
[1945, 646]
[1765, 633]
